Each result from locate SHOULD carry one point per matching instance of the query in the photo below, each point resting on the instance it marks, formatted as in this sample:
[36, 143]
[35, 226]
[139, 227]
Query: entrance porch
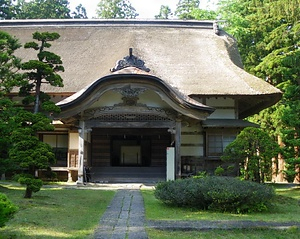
[128, 154]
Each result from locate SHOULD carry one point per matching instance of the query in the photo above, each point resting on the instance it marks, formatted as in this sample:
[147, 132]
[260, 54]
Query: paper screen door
[130, 155]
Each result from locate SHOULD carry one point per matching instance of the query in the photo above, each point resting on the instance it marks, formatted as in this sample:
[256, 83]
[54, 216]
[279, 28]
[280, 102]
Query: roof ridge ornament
[128, 61]
[216, 28]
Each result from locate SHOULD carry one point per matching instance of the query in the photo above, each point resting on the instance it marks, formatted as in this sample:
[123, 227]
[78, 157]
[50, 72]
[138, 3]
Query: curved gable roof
[83, 99]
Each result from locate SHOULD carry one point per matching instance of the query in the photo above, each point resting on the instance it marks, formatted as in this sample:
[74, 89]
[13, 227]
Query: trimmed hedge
[224, 194]
[7, 209]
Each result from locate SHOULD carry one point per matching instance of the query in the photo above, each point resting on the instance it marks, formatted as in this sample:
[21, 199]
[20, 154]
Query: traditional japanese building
[145, 100]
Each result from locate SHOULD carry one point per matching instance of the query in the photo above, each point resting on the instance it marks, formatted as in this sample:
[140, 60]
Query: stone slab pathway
[124, 218]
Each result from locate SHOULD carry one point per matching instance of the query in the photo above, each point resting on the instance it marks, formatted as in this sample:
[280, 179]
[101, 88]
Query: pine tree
[42, 71]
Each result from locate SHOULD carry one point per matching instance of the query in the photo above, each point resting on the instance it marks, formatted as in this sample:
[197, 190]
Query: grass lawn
[228, 234]
[58, 213]
[285, 208]
[54, 212]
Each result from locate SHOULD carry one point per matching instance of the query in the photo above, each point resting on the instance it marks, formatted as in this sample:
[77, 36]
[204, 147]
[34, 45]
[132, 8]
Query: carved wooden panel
[73, 158]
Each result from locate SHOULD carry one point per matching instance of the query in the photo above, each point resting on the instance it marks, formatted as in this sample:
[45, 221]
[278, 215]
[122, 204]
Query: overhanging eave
[183, 104]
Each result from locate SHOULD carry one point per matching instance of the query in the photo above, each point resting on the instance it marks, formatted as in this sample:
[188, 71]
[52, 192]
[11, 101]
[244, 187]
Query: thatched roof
[188, 55]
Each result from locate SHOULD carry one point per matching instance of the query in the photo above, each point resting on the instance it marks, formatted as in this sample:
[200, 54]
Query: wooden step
[128, 174]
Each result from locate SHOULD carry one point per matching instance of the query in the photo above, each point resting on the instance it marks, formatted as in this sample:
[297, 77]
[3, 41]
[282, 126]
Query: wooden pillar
[81, 152]
[178, 148]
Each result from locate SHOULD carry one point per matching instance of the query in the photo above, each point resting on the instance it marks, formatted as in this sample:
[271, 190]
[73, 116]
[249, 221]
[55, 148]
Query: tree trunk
[37, 95]
[246, 166]
[281, 162]
[28, 193]
[296, 148]
[36, 104]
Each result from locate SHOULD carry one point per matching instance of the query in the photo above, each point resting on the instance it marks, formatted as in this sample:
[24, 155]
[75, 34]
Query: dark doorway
[129, 147]
[131, 150]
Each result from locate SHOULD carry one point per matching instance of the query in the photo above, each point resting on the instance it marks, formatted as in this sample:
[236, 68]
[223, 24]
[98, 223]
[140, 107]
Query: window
[216, 143]
[59, 144]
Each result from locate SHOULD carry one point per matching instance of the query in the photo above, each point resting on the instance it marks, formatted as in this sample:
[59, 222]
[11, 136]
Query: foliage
[224, 194]
[9, 78]
[39, 9]
[33, 185]
[7, 209]
[219, 171]
[7, 9]
[253, 150]
[8, 114]
[284, 207]
[184, 8]
[164, 12]
[268, 36]
[203, 14]
[201, 174]
[43, 9]
[291, 131]
[111, 9]
[28, 153]
[42, 71]
[189, 9]
[9, 63]
[80, 12]
[20, 148]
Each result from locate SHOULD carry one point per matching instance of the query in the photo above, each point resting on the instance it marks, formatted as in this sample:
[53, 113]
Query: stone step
[127, 174]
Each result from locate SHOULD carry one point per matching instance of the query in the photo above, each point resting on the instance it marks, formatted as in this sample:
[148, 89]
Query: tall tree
[20, 148]
[110, 9]
[43, 9]
[267, 32]
[291, 132]
[252, 151]
[9, 78]
[263, 28]
[9, 63]
[164, 12]
[7, 9]
[203, 14]
[28, 153]
[80, 12]
[42, 71]
[184, 8]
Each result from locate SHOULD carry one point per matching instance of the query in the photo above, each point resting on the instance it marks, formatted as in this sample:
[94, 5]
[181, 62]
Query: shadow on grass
[55, 213]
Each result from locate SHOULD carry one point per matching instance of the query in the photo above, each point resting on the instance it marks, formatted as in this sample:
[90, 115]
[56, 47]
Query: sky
[145, 8]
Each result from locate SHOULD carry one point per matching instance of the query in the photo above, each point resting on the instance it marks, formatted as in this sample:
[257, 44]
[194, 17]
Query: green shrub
[33, 185]
[7, 209]
[219, 171]
[224, 194]
[201, 174]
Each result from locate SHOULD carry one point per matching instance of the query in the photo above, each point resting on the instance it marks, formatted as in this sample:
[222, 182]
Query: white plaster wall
[225, 108]
[152, 99]
[192, 151]
[73, 140]
[192, 141]
[109, 98]
[148, 97]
